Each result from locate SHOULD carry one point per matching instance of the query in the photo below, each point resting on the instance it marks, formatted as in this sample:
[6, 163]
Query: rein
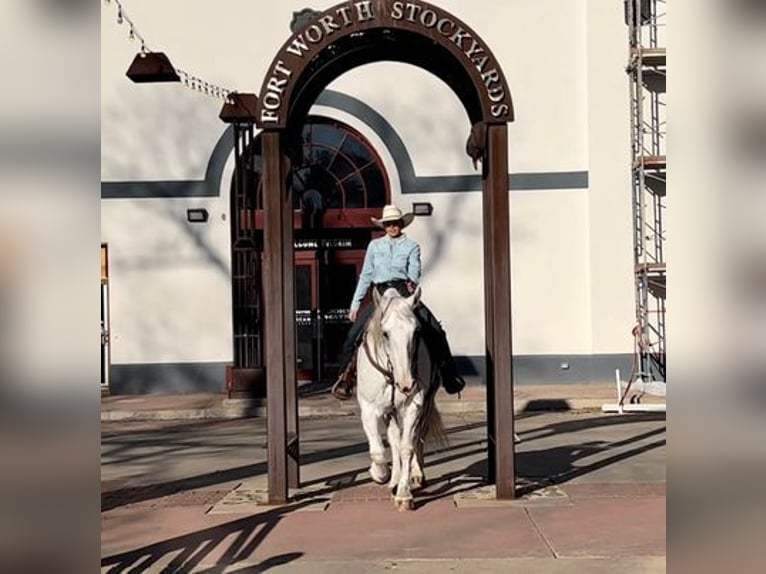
[389, 376]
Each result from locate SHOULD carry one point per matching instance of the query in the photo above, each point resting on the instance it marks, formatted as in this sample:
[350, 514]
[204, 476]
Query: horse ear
[375, 297]
[415, 297]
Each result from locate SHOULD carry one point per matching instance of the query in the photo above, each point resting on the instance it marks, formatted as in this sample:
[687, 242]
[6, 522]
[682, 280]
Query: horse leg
[394, 438]
[403, 498]
[417, 478]
[371, 423]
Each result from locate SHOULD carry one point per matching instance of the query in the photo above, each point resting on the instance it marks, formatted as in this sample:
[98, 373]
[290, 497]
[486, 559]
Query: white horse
[396, 392]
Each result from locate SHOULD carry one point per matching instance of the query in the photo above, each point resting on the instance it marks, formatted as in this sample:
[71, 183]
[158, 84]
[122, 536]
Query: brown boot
[343, 389]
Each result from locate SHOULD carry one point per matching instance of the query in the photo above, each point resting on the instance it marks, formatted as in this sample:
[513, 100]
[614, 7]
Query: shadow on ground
[553, 465]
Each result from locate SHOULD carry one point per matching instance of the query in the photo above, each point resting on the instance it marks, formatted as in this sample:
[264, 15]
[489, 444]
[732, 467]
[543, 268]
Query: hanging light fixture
[239, 108]
[152, 67]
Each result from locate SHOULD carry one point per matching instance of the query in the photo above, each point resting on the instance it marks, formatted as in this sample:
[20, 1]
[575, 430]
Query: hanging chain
[188, 80]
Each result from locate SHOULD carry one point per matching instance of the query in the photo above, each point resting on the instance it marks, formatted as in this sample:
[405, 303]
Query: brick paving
[594, 510]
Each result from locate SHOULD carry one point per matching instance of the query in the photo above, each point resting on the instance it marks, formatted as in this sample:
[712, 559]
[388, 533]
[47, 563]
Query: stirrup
[342, 390]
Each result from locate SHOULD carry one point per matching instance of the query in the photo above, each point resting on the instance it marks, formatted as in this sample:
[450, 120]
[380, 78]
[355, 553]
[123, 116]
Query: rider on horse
[393, 260]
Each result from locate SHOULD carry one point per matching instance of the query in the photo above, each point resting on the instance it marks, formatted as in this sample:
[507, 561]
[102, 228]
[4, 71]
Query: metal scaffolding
[646, 20]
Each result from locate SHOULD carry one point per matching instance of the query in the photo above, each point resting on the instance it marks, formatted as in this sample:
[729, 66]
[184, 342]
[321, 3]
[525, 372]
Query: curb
[232, 409]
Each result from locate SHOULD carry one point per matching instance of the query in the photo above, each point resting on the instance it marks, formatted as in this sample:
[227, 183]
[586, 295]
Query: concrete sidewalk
[188, 496]
[319, 402]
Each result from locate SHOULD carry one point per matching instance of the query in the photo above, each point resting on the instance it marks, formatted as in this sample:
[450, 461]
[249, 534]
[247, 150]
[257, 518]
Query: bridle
[388, 374]
[387, 371]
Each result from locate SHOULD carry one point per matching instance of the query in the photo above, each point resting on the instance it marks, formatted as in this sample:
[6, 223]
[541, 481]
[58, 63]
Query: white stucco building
[171, 317]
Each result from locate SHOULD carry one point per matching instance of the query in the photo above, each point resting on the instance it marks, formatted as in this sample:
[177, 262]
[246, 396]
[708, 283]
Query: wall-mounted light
[197, 215]
[422, 208]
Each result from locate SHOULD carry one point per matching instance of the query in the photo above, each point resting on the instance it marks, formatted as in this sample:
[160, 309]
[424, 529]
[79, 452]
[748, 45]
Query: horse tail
[430, 426]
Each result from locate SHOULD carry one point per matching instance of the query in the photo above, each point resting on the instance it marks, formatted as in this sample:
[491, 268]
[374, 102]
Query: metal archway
[345, 36]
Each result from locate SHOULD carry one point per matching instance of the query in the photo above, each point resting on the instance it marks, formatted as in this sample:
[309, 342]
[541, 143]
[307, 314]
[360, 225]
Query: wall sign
[357, 16]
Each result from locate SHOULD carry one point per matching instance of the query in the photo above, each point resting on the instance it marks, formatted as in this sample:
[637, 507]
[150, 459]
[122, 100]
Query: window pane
[341, 168]
[302, 287]
[339, 162]
[354, 189]
[357, 152]
[321, 156]
[376, 186]
[325, 135]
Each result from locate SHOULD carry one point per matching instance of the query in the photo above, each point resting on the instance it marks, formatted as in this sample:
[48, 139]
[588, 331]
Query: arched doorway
[338, 183]
[343, 37]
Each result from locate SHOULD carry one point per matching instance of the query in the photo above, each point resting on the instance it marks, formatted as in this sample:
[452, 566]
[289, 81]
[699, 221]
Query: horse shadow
[541, 468]
[190, 550]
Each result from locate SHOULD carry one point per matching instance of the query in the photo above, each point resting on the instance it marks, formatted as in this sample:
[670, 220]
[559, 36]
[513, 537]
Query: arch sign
[343, 37]
[357, 16]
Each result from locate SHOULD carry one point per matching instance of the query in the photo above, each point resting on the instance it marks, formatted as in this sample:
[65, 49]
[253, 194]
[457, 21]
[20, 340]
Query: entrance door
[325, 280]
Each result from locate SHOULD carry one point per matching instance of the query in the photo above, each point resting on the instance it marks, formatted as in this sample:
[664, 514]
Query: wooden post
[288, 305]
[497, 273]
[275, 315]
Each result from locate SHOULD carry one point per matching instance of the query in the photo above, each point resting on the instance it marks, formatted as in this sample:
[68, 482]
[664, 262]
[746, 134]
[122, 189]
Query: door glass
[340, 285]
[303, 318]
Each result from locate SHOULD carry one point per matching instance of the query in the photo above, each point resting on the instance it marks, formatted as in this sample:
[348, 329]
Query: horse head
[394, 330]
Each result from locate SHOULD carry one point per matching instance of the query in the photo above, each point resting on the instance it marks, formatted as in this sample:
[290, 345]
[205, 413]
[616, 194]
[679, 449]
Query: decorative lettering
[313, 34]
[276, 85]
[414, 10]
[328, 22]
[280, 67]
[268, 116]
[271, 101]
[364, 11]
[496, 94]
[490, 77]
[298, 46]
[458, 37]
[441, 24]
[474, 49]
[343, 11]
[397, 10]
[350, 14]
[499, 110]
[481, 63]
[429, 16]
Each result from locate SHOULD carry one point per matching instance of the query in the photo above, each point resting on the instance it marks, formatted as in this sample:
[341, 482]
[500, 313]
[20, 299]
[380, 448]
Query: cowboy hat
[393, 213]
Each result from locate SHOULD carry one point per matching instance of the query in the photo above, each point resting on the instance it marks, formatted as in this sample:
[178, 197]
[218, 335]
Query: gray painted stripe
[171, 378]
[552, 180]
[410, 182]
[516, 182]
[208, 187]
[156, 189]
[547, 369]
[527, 370]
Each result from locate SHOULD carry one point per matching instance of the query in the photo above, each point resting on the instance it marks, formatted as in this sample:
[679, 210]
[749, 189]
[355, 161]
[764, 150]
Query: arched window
[340, 170]
[342, 165]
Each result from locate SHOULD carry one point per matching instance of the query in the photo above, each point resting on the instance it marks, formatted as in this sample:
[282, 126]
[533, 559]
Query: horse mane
[375, 324]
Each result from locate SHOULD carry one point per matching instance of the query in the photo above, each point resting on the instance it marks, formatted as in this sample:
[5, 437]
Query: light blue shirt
[387, 259]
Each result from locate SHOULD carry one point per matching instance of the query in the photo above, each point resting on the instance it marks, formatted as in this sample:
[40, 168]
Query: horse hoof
[380, 477]
[404, 504]
[417, 482]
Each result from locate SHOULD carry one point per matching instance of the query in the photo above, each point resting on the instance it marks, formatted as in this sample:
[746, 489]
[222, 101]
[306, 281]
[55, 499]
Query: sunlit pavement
[184, 496]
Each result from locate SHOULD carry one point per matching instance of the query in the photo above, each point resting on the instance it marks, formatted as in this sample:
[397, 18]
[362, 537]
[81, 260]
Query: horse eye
[385, 334]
